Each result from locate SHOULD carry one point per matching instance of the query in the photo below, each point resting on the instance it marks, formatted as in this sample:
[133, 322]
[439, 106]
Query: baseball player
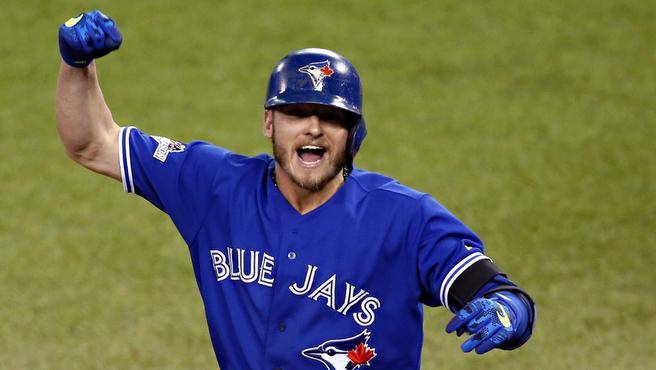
[303, 261]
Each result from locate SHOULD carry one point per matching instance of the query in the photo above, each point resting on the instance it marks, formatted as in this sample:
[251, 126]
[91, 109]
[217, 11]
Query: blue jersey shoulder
[219, 156]
[375, 182]
[229, 167]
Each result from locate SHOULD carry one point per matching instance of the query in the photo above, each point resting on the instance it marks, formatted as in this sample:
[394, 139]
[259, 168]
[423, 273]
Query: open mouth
[310, 155]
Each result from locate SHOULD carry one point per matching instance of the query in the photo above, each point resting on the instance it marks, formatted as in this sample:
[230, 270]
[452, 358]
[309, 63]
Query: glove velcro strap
[470, 281]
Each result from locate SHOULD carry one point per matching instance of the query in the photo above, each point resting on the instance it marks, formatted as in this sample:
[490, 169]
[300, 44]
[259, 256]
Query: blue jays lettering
[258, 268]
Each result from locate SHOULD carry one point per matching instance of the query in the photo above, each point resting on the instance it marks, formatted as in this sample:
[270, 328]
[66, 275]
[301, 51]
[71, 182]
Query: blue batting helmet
[319, 76]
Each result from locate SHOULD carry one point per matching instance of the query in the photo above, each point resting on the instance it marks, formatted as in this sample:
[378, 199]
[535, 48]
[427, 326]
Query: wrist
[77, 64]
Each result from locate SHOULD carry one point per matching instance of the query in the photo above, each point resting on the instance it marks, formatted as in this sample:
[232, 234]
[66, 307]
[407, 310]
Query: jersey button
[291, 255]
[282, 327]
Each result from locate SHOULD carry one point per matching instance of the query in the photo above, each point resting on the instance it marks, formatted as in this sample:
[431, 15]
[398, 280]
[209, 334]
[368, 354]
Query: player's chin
[313, 176]
[312, 183]
[310, 173]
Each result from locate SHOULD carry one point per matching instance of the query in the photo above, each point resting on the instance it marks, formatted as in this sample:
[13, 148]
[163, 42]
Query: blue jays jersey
[340, 287]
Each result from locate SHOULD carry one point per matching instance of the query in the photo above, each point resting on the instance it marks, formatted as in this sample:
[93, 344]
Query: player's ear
[267, 127]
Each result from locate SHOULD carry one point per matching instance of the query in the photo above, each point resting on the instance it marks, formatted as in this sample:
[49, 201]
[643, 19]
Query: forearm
[84, 121]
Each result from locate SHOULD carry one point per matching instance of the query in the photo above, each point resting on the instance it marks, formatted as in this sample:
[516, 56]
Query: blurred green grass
[532, 121]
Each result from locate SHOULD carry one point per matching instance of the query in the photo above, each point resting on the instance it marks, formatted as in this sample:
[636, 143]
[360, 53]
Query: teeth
[311, 147]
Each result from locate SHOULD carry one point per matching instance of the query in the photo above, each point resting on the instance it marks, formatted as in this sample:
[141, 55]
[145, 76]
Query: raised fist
[86, 37]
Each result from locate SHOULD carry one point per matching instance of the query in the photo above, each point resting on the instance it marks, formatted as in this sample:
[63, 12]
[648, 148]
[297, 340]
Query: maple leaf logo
[361, 355]
[326, 71]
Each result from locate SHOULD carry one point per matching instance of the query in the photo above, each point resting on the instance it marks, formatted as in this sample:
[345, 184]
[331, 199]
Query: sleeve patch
[165, 147]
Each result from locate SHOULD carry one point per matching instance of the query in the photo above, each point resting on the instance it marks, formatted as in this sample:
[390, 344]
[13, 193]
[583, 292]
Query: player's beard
[312, 184]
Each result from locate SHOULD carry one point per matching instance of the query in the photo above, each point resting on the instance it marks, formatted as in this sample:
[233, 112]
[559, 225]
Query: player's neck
[304, 200]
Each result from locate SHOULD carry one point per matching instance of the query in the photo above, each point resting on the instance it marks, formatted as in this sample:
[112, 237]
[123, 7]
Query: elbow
[99, 154]
[87, 146]
[83, 154]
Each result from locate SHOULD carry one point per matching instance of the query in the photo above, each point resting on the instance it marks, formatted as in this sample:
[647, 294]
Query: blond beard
[312, 185]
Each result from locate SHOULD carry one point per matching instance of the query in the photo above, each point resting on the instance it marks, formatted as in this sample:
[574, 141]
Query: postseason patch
[165, 147]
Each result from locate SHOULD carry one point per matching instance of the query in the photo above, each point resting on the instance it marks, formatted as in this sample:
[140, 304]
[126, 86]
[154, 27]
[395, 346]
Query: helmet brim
[316, 97]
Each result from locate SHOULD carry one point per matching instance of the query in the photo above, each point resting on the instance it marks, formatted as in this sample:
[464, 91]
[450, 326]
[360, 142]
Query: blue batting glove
[491, 321]
[87, 37]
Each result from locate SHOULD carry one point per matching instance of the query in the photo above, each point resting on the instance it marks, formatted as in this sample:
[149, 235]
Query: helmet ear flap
[356, 136]
[359, 132]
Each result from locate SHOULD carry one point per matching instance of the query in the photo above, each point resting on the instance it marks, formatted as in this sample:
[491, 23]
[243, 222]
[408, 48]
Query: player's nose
[313, 126]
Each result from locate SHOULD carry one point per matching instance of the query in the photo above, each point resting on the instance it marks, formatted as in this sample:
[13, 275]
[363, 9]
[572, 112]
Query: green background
[530, 120]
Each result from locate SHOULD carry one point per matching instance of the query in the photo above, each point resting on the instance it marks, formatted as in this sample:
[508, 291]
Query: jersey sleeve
[175, 177]
[447, 252]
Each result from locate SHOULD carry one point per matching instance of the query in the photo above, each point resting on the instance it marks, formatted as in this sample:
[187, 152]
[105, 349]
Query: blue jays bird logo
[317, 71]
[343, 354]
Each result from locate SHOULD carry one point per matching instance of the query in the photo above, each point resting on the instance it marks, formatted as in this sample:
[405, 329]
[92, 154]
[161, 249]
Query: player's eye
[332, 117]
[295, 110]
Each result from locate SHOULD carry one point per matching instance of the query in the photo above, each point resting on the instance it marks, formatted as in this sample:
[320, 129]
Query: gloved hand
[86, 37]
[492, 321]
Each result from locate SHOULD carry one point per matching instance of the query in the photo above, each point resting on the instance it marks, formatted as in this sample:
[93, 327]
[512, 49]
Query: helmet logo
[317, 71]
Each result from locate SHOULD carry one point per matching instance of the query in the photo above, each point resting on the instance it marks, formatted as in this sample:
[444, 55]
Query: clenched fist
[86, 37]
